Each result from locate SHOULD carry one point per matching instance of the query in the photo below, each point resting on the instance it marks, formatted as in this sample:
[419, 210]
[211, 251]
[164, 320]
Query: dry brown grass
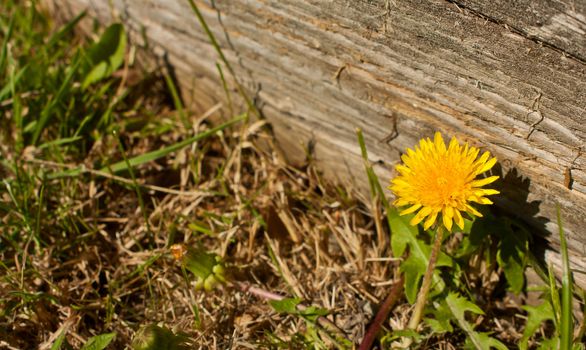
[103, 263]
[115, 273]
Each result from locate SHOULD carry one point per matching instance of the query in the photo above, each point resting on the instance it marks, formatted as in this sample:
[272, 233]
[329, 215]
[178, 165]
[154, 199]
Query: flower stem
[427, 278]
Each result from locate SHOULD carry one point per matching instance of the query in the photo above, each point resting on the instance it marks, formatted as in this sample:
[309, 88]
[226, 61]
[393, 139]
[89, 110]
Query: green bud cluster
[207, 267]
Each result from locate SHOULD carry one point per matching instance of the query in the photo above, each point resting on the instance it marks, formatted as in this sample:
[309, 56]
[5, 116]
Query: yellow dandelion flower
[434, 180]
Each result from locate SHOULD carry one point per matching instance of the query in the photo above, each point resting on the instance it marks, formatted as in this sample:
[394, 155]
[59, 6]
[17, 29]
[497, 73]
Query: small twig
[382, 315]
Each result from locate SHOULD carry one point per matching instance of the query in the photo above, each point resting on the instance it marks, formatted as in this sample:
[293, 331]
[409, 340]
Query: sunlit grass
[102, 174]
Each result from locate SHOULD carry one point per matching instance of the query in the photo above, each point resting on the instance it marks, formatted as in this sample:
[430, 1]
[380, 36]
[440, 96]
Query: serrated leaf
[548, 344]
[536, 315]
[511, 256]
[440, 323]
[287, 305]
[487, 342]
[99, 342]
[414, 266]
[477, 237]
[459, 306]
[401, 231]
[107, 55]
[513, 244]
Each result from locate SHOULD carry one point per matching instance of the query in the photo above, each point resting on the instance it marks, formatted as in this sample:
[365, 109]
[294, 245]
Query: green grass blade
[47, 112]
[7, 38]
[555, 296]
[582, 329]
[154, 155]
[372, 178]
[17, 108]
[14, 79]
[67, 28]
[226, 89]
[59, 341]
[99, 342]
[60, 142]
[148, 157]
[177, 101]
[566, 326]
[136, 189]
[214, 42]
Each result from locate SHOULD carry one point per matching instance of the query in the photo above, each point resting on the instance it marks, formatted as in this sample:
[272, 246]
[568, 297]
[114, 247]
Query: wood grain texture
[399, 70]
[560, 24]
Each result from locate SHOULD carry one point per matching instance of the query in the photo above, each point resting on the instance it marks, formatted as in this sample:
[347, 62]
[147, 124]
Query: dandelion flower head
[438, 181]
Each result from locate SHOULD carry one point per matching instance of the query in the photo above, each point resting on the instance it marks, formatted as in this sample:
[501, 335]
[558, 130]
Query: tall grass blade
[214, 42]
[7, 38]
[555, 296]
[154, 155]
[225, 87]
[67, 28]
[150, 156]
[177, 101]
[47, 112]
[566, 324]
[14, 79]
[59, 341]
[136, 188]
[60, 142]
[372, 178]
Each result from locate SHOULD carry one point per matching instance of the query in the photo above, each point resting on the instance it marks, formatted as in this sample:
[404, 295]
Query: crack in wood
[394, 132]
[535, 109]
[568, 180]
[516, 30]
[336, 76]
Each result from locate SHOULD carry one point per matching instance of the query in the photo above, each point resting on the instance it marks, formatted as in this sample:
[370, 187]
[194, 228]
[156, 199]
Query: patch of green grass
[71, 120]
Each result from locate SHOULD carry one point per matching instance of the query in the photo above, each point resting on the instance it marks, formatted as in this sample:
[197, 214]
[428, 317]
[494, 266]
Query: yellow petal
[401, 202]
[454, 145]
[411, 209]
[459, 219]
[473, 153]
[483, 200]
[430, 220]
[485, 181]
[439, 142]
[448, 212]
[398, 181]
[447, 222]
[403, 170]
[487, 166]
[420, 216]
[489, 191]
[473, 211]
[483, 158]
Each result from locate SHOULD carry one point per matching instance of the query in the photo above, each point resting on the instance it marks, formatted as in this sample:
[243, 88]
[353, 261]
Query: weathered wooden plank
[404, 68]
[561, 24]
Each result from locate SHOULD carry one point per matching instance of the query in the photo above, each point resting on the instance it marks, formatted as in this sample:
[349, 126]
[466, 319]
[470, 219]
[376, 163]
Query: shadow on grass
[514, 202]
